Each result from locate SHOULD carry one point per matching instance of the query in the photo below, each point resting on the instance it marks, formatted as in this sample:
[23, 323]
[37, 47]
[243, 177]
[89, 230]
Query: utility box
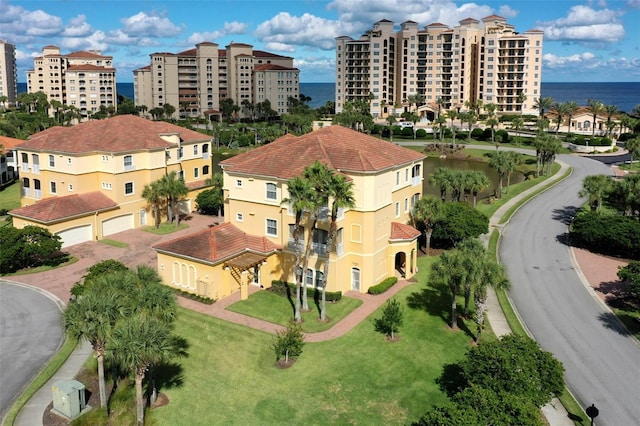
[68, 398]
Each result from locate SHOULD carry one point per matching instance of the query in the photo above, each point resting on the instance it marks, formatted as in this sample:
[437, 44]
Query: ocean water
[624, 95]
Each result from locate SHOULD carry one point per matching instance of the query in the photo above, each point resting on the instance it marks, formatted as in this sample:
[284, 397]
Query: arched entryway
[401, 263]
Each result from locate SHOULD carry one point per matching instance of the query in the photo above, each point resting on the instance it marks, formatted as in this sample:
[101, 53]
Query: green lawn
[165, 228]
[360, 378]
[10, 197]
[277, 309]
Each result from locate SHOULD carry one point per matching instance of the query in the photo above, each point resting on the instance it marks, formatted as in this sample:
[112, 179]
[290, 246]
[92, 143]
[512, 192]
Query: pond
[431, 164]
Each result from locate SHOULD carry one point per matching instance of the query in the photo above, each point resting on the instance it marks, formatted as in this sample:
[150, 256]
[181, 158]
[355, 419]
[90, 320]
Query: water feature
[431, 163]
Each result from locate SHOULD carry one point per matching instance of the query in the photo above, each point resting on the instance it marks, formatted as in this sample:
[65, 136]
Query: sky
[584, 41]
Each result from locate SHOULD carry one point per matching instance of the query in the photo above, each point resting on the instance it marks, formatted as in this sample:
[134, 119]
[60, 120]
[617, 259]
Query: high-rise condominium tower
[439, 67]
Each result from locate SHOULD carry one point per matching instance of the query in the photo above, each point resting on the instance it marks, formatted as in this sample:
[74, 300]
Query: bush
[198, 298]
[421, 133]
[631, 275]
[288, 343]
[611, 235]
[385, 285]
[478, 133]
[502, 136]
[28, 247]
[626, 136]
[407, 131]
[486, 134]
[391, 320]
[286, 289]
[458, 221]
[210, 201]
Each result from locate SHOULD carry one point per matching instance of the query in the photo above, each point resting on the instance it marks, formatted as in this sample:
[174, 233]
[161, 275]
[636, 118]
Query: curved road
[602, 362]
[30, 334]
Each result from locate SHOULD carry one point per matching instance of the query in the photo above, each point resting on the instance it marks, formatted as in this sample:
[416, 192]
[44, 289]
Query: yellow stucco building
[373, 240]
[85, 182]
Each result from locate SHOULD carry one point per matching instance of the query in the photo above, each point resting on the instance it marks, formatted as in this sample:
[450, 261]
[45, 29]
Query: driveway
[30, 334]
[602, 361]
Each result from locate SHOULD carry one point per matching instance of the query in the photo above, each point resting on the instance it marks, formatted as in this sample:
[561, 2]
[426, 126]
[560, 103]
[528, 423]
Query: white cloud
[585, 59]
[507, 11]
[149, 25]
[576, 64]
[634, 4]
[584, 24]
[228, 28]
[95, 41]
[307, 30]
[280, 47]
[77, 27]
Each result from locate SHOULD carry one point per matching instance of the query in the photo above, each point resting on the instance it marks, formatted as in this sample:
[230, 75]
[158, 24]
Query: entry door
[355, 279]
[143, 217]
[255, 280]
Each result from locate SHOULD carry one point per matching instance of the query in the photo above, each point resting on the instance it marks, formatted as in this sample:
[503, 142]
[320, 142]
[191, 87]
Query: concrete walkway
[139, 251]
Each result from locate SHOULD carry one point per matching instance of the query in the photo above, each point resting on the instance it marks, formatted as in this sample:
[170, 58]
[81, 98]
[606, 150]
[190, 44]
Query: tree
[571, 108]
[288, 343]
[300, 194]
[517, 124]
[173, 188]
[425, 214]
[596, 187]
[522, 97]
[595, 108]
[503, 163]
[458, 221]
[543, 104]
[633, 147]
[210, 201]
[138, 343]
[452, 114]
[448, 271]
[153, 195]
[340, 191]
[516, 365]
[92, 317]
[442, 178]
[168, 110]
[630, 274]
[478, 181]
[546, 149]
[28, 247]
[391, 320]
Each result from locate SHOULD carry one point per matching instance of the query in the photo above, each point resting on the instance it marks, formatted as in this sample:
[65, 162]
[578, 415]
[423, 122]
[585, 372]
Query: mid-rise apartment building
[486, 60]
[196, 80]
[85, 79]
[8, 72]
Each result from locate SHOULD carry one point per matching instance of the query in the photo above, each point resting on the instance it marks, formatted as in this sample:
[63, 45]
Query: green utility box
[68, 398]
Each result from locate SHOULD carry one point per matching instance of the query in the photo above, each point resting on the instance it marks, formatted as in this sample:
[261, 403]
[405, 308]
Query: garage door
[117, 224]
[76, 235]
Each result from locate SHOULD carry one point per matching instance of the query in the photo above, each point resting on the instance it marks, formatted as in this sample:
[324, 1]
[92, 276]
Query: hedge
[286, 289]
[198, 298]
[611, 235]
[385, 285]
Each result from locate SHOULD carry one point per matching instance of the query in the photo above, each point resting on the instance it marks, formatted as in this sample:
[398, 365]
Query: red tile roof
[122, 133]
[401, 231]
[339, 148]
[9, 143]
[217, 244]
[89, 67]
[272, 67]
[85, 54]
[55, 209]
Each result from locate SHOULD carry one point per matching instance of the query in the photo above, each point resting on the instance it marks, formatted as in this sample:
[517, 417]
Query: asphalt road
[602, 362]
[30, 334]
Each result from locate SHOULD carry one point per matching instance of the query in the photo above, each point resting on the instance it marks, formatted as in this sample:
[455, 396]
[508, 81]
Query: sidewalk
[31, 414]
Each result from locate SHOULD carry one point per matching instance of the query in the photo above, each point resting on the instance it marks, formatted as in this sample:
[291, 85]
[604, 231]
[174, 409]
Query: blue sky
[584, 40]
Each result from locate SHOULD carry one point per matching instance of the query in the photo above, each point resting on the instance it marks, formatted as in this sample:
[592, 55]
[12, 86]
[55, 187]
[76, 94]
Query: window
[180, 153]
[128, 188]
[272, 227]
[70, 187]
[309, 278]
[238, 183]
[205, 169]
[196, 172]
[239, 217]
[128, 162]
[52, 187]
[406, 205]
[195, 150]
[397, 178]
[397, 209]
[181, 175]
[271, 191]
[52, 161]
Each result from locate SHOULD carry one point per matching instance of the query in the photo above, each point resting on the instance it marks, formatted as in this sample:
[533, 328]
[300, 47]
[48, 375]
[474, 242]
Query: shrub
[288, 343]
[612, 235]
[28, 247]
[391, 320]
[478, 133]
[458, 221]
[407, 131]
[385, 285]
[502, 136]
[631, 275]
[626, 136]
[210, 201]
[421, 133]
[198, 298]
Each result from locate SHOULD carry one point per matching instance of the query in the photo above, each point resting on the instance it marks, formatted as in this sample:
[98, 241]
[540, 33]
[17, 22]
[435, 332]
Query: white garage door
[117, 224]
[76, 235]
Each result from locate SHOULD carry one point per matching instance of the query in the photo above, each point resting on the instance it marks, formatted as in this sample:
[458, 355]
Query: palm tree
[452, 114]
[493, 275]
[138, 343]
[560, 109]
[610, 111]
[217, 184]
[571, 108]
[502, 162]
[596, 187]
[441, 177]
[522, 97]
[173, 188]
[517, 124]
[479, 181]
[470, 118]
[546, 149]
[425, 214]
[440, 122]
[629, 192]
[448, 270]
[92, 317]
[300, 194]
[595, 108]
[543, 104]
[152, 193]
[341, 195]
[319, 177]
[633, 147]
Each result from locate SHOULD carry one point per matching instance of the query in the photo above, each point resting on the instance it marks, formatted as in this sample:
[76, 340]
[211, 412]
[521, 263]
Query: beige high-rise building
[85, 79]
[441, 67]
[8, 72]
[197, 80]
